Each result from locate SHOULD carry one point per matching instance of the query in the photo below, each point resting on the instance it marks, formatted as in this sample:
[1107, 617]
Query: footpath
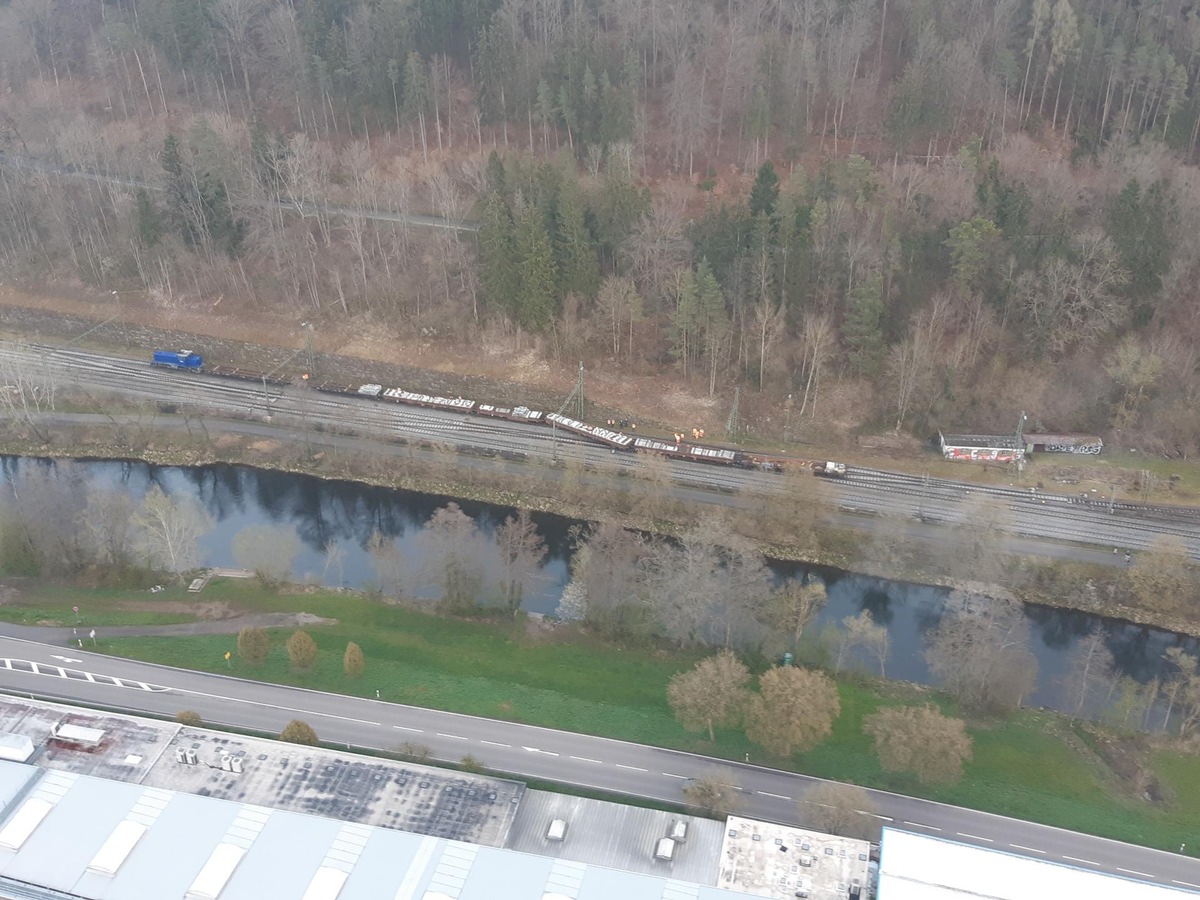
[71, 634]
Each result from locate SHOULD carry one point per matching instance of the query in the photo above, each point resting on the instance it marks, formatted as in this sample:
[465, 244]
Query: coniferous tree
[765, 192]
[579, 272]
[863, 329]
[499, 275]
[538, 274]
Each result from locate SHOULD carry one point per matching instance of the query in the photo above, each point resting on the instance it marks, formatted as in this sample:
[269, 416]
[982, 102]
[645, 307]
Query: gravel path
[70, 635]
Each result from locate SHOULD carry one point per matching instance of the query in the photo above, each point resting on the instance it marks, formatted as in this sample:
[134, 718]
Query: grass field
[1032, 765]
[50, 604]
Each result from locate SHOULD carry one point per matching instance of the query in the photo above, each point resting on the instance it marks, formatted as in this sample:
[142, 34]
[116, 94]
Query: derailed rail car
[614, 439]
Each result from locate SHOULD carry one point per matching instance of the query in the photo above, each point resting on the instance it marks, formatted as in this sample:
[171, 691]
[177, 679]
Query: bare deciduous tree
[711, 695]
[795, 604]
[267, 550]
[861, 632]
[1091, 674]
[389, 563]
[714, 792]
[169, 530]
[521, 551]
[452, 557]
[793, 711]
[921, 740]
[837, 808]
[981, 652]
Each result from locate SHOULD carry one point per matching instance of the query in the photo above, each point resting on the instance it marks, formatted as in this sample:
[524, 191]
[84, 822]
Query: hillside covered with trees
[932, 213]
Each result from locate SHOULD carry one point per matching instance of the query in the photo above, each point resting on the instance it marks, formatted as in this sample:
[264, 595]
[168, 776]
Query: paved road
[76, 675]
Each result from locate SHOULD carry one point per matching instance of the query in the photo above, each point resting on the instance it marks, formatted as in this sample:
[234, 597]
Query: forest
[887, 215]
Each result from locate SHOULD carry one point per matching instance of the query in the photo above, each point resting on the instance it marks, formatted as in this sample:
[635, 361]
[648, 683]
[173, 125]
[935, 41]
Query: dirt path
[71, 635]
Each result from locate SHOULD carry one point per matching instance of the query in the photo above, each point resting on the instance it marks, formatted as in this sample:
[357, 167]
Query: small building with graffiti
[1004, 448]
[1085, 444]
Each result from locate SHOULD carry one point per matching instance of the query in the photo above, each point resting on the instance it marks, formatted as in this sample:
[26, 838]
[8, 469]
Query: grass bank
[1033, 766]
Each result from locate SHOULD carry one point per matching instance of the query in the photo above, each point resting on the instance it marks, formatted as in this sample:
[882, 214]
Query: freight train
[617, 441]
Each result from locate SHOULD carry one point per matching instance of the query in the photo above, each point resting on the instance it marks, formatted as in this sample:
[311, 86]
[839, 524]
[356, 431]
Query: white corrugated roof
[919, 867]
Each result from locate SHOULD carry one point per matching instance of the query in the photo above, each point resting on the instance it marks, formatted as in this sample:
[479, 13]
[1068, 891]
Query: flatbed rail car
[512, 414]
[822, 468]
[450, 404]
[717, 455]
[614, 439]
[247, 375]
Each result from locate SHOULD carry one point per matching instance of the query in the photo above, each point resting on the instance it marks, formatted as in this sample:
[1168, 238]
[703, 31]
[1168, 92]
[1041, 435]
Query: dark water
[348, 513]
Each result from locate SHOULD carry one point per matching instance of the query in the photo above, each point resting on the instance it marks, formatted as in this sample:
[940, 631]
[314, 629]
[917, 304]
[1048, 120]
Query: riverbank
[573, 491]
[1034, 765]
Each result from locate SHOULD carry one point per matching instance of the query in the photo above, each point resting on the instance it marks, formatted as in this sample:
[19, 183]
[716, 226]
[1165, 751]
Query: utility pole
[732, 426]
[576, 395]
[312, 365]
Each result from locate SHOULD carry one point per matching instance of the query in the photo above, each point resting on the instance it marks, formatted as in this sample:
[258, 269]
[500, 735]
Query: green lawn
[50, 604]
[1027, 766]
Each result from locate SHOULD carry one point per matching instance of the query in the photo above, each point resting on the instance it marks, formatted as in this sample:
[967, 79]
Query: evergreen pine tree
[536, 297]
[498, 275]
[765, 192]
[579, 271]
[863, 329]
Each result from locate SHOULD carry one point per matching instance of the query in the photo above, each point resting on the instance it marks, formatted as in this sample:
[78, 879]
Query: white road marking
[922, 825]
[52, 671]
[974, 837]
[631, 768]
[776, 796]
[876, 815]
[406, 728]
[1134, 872]
[453, 737]
[495, 744]
[587, 759]
[1077, 859]
[672, 775]
[65, 659]
[536, 750]
[1186, 884]
[1027, 849]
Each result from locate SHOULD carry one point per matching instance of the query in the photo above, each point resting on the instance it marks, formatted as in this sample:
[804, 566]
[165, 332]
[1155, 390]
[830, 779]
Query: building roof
[616, 835]
[90, 837]
[1064, 440]
[920, 867]
[989, 441]
[785, 861]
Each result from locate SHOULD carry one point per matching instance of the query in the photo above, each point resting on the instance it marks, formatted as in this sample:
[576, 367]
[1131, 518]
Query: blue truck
[178, 359]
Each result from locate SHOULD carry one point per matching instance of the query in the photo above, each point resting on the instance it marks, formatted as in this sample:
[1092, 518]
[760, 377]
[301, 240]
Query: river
[346, 514]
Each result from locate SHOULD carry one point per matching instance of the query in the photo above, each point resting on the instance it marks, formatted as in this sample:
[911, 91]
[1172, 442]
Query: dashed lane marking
[1186, 883]
[1135, 872]
[52, 671]
[536, 750]
[974, 837]
[673, 775]
[1027, 849]
[453, 737]
[406, 728]
[776, 796]
[1078, 860]
[587, 759]
[495, 744]
[632, 768]
[922, 825]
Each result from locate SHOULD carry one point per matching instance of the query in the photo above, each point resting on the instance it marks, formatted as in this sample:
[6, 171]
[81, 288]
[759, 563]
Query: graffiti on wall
[983, 454]
[1092, 448]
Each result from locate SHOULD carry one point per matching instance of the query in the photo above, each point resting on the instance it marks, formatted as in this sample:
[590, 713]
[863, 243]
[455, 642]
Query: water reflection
[347, 514]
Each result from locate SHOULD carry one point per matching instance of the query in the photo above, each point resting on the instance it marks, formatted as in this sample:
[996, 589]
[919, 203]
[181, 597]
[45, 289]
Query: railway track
[1033, 512]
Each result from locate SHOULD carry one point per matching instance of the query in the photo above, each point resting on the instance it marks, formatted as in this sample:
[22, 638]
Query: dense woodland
[936, 213]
